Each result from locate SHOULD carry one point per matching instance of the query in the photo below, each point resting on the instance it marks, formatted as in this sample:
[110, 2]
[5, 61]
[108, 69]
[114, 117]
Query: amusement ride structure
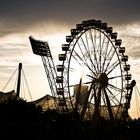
[93, 77]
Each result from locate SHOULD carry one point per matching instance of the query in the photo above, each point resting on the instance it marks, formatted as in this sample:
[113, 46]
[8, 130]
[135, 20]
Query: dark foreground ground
[19, 120]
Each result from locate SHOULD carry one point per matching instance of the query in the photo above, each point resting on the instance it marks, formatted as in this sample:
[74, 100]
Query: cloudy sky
[51, 20]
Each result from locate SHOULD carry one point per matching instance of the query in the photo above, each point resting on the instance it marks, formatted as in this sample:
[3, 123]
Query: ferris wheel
[94, 74]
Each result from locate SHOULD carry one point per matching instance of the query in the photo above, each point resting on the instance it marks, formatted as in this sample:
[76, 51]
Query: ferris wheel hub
[103, 80]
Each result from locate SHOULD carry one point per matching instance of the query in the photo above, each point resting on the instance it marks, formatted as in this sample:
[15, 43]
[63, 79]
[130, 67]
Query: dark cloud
[20, 14]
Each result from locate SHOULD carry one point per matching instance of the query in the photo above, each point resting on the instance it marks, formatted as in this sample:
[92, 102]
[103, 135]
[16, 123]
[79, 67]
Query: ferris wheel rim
[107, 35]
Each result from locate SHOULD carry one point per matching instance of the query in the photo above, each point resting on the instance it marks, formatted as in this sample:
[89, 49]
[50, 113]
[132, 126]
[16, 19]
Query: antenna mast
[19, 79]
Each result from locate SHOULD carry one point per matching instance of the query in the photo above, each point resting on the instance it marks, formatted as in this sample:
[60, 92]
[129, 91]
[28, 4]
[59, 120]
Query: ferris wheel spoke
[76, 60]
[114, 77]
[114, 97]
[88, 67]
[83, 55]
[100, 51]
[97, 44]
[71, 69]
[115, 88]
[85, 63]
[109, 61]
[78, 56]
[87, 42]
[113, 66]
[103, 41]
[94, 46]
[105, 55]
[88, 52]
[93, 78]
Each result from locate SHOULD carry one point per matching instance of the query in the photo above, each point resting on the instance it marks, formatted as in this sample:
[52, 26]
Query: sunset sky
[51, 20]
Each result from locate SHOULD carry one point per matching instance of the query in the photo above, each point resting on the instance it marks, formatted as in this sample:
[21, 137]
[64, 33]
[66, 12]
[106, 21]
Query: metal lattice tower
[42, 49]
